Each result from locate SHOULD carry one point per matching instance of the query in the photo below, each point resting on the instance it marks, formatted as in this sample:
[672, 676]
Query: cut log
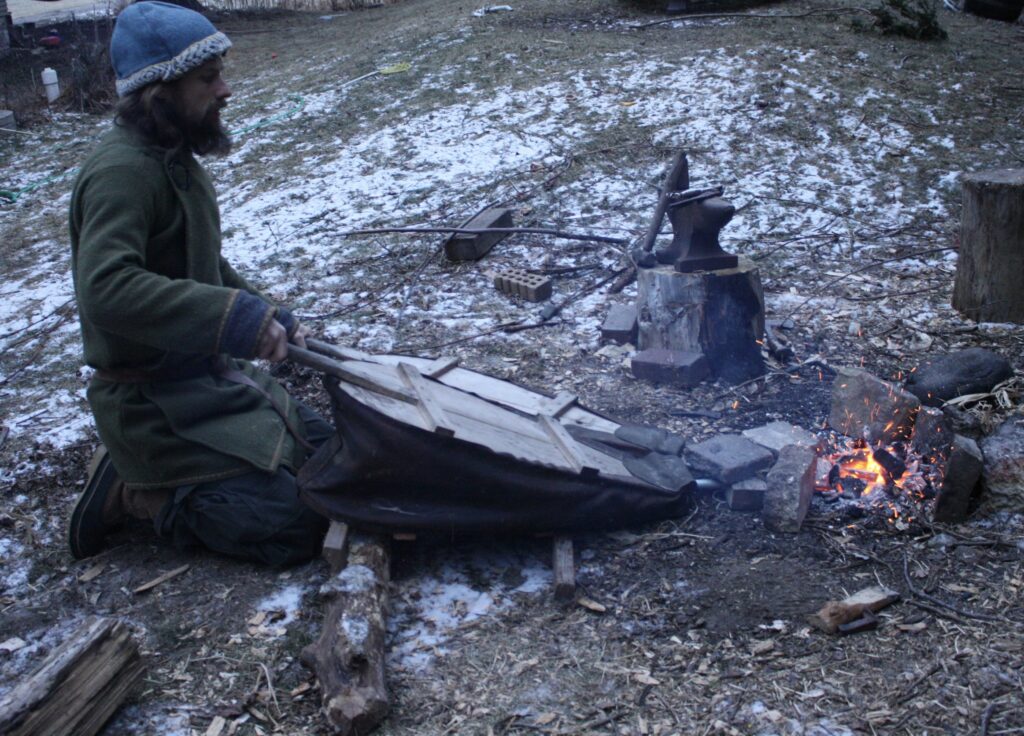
[991, 264]
[348, 657]
[564, 564]
[717, 313]
[79, 686]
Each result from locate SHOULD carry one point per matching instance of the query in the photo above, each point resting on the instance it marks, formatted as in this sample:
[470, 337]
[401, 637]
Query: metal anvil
[696, 222]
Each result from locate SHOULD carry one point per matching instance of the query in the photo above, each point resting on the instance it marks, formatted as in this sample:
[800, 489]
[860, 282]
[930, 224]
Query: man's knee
[255, 516]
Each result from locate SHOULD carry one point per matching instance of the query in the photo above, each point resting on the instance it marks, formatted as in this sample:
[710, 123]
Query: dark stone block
[680, 368]
[728, 458]
[970, 371]
[620, 326]
[963, 471]
[469, 246]
[747, 495]
[1003, 476]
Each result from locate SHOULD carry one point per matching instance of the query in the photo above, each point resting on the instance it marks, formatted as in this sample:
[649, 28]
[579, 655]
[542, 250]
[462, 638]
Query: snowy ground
[839, 149]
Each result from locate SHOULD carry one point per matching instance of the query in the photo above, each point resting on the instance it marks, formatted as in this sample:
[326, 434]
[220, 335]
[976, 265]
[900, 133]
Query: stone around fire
[963, 471]
[1003, 477]
[728, 458]
[777, 435]
[868, 407]
[933, 434]
[790, 486]
[970, 371]
[746, 495]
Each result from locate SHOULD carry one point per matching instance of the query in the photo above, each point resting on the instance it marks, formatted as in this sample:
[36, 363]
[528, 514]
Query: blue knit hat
[158, 42]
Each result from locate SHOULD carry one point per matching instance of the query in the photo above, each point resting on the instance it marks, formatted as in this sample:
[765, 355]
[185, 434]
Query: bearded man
[195, 438]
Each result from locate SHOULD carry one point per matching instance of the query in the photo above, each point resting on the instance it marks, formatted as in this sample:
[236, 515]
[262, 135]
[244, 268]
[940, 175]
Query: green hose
[14, 195]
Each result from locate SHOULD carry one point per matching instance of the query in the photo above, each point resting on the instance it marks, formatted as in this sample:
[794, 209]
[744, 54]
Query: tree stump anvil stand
[719, 314]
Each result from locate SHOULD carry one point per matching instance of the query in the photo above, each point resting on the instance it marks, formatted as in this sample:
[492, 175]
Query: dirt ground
[691, 626]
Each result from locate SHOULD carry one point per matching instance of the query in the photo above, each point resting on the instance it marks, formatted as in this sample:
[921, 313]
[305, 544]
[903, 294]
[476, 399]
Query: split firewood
[79, 686]
[837, 613]
[348, 657]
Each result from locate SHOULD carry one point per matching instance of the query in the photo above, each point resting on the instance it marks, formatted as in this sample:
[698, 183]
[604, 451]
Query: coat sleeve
[117, 293]
[232, 278]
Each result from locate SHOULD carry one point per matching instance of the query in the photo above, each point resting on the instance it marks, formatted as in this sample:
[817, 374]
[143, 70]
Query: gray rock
[868, 407]
[963, 471]
[728, 458]
[933, 434]
[790, 487]
[942, 541]
[777, 435]
[664, 471]
[970, 371]
[1003, 476]
[746, 495]
[620, 326]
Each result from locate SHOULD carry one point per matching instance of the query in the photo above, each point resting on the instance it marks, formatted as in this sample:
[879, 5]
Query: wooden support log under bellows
[991, 263]
[79, 686]
[348, 657]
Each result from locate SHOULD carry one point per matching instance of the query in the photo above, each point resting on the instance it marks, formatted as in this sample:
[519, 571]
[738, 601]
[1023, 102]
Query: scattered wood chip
[216, 726]
[590, 605]
[162, 579]
[258, 618]
[912, 628]
[523, 666]
[545, 718]
[93, 572]
[645, 679]
[301, 689]
[12, 645]
[838, 613]
[762, 647]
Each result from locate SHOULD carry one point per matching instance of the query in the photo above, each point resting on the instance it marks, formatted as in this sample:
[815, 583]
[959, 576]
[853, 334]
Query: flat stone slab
[747, 495]
[970, 371]
[868, 407]
[777, 435]
[963, 471]
[676, 367]
[790, 487]
[620, 325]
[7, 121]
[653, 438]
[728, 458]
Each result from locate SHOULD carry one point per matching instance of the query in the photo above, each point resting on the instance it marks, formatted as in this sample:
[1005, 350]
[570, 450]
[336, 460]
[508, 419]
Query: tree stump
[717, 313]
[991, 265]
[348, 657]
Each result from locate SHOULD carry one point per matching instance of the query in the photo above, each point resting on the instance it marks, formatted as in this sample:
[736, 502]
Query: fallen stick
[478, 230]
[348, 657]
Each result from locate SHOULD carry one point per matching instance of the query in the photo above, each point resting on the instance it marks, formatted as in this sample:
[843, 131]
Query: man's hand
[299, 338]
[274, 343]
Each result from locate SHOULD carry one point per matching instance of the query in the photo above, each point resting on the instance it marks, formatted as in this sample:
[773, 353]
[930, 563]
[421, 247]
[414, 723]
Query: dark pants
[256, 516]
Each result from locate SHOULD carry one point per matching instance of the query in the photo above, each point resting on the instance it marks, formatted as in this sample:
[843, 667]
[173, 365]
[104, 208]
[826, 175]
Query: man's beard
[208, 137]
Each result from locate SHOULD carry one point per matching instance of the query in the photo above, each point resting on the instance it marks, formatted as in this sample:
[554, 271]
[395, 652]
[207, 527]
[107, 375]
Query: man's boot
[105, 504]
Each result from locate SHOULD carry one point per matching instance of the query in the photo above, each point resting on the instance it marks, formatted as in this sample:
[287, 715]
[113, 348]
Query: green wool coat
[154, 294]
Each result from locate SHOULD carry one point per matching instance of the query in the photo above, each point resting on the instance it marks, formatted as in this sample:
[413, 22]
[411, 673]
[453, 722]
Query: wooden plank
[79, 686]
[368, 375]
[564, 442]
[439, 367]
[437, 420]
[561, 403]
[564, 566]
[336, 546]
